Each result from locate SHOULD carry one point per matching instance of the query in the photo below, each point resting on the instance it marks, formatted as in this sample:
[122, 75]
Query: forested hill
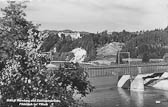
[154, 42]
[67, 44]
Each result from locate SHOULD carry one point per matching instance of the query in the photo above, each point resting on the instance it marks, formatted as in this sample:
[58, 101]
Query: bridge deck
[126, 70]
[122, 69]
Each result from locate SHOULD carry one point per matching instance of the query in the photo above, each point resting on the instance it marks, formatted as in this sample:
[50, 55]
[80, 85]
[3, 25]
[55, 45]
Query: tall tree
[88, 44]
[14, 27]
[25, 75]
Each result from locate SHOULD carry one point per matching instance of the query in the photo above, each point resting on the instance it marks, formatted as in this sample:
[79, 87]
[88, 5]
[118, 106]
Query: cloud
[96, 15]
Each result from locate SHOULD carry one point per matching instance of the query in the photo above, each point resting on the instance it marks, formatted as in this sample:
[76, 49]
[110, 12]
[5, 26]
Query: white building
[74, 35]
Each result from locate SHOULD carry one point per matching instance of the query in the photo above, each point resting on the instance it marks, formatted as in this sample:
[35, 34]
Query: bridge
[123, 72]
[126, 69]
[129, 76]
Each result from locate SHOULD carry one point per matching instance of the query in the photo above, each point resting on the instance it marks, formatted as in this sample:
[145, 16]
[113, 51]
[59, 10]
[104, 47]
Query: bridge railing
[101, 72]
[133, 70]
[125, 70]
[154, 69]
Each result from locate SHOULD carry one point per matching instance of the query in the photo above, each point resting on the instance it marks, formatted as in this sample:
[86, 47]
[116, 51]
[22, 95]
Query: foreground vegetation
[23, 73]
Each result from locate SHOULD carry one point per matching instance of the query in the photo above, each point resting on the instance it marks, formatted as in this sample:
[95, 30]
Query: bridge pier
[124, 82]
[137, 84]
[134, 77]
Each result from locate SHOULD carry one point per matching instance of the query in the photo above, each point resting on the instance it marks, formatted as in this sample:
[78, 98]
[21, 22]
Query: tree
[87, 43]
[153, 42]
[145, 57]
[49, 42]
[14, 27]
[25, 75]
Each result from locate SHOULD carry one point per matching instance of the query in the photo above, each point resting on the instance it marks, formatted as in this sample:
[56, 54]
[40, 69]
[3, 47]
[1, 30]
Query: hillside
[66, 44]
[151, 43]
[142, 44]
[110, 49]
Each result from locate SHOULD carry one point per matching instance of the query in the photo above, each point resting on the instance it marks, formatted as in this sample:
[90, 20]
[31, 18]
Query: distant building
[74, 35]
[165, 57]
[109, 33]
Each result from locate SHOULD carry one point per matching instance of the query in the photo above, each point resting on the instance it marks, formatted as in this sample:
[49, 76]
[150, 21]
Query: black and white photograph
[83, 53]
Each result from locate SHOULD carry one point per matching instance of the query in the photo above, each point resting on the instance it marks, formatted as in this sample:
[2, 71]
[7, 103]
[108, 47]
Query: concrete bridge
[129, 76]
[124, 75]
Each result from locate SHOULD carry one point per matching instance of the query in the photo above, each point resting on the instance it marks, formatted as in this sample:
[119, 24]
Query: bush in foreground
[25, 76]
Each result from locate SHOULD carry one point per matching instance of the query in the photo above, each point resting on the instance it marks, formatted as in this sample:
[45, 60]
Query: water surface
[117, 97]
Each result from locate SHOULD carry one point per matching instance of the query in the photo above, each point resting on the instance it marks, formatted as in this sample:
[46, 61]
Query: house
[73, 35]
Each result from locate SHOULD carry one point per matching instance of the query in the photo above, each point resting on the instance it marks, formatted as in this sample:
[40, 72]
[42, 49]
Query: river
[118, 97]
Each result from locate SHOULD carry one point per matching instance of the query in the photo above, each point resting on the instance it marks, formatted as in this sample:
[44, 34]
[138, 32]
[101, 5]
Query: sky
[98, 15]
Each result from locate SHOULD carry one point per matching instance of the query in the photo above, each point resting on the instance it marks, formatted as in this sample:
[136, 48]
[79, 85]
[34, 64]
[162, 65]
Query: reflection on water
[117, 97]
[125, 96]
[138, 98]
[129, 97]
